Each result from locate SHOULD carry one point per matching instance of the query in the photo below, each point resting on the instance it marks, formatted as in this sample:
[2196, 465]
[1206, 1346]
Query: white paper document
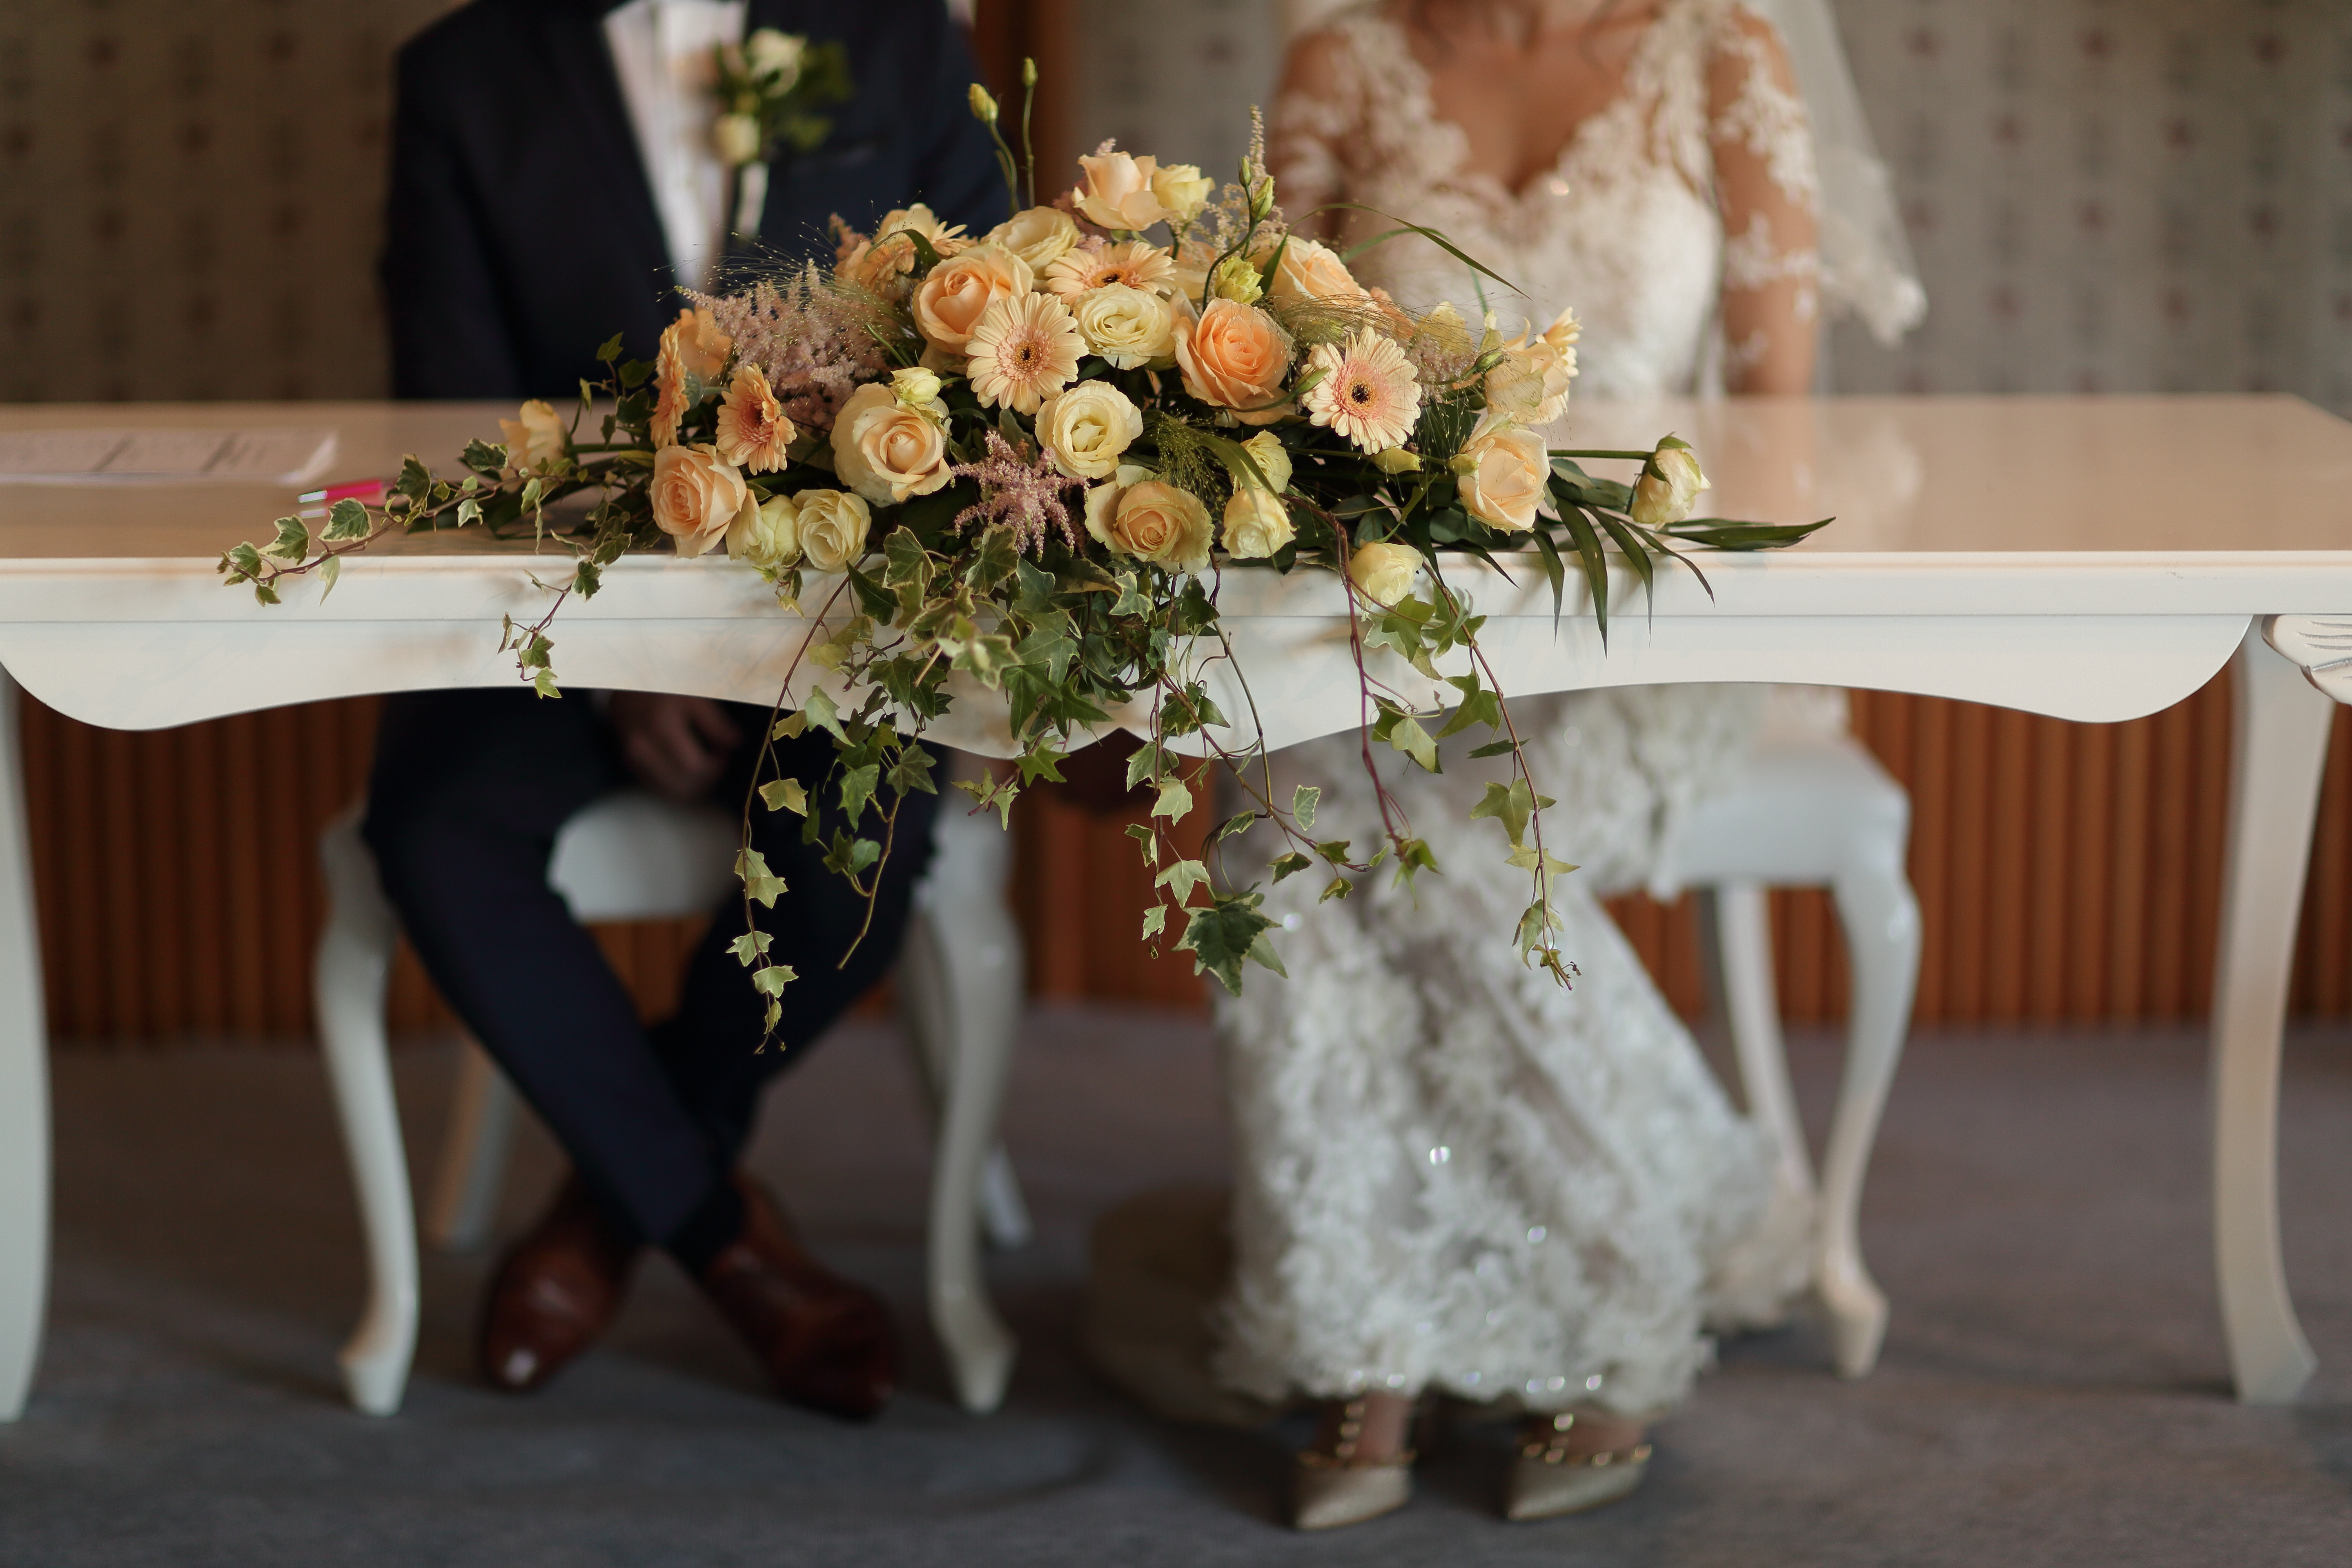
[173, 455]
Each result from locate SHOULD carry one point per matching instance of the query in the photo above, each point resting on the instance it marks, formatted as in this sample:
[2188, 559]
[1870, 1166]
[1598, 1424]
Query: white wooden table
[2087, 558]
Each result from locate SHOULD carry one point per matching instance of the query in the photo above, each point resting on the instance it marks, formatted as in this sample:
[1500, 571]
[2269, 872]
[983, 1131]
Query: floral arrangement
[1029, 456]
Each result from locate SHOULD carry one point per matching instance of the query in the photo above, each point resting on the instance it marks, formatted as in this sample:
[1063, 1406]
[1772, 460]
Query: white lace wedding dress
[1453, 1173]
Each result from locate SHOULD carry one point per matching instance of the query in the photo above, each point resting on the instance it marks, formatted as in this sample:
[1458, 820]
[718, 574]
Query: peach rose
[887, 451]
[696, 496]
[1151, 520]
[535, 438]
[1118, 192]
[1182, 190]
[1500, 473]
[948, 303]
[1234, 357]
[1312, 271]
[832, 527]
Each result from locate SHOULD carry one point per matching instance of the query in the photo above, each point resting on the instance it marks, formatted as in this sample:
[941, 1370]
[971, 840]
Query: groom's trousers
[468, 793]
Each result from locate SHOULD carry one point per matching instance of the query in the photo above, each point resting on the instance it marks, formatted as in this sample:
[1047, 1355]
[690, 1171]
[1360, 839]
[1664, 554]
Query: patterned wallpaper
[2105, 194]
[190, 195]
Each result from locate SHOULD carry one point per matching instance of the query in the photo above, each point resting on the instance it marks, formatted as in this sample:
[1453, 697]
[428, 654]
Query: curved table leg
[24, 1091]
[2282, 747]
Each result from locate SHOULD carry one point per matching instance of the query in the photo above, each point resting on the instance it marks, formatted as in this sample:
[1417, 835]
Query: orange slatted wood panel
[2068, 873]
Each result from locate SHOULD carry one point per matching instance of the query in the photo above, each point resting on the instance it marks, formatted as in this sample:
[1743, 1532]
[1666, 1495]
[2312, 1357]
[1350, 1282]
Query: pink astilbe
[1023, 494]
[814, 339]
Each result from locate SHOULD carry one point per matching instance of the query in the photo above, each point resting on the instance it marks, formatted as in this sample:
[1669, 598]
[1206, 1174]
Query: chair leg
[1881, 921]
[1743, 954]
[963, 1002]
[23, 1092]
[354, 963]
[473, 1153]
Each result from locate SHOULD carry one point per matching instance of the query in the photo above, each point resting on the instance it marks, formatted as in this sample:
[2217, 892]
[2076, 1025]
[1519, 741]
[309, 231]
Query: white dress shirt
[662, 52]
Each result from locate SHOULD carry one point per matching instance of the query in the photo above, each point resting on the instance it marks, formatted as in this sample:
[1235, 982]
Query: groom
[552, 182]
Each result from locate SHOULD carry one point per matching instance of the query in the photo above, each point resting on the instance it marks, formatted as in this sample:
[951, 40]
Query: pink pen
[317, 503]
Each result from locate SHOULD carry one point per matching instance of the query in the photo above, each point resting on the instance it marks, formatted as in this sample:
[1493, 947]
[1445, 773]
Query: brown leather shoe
[555, 1292]
[827, 1342]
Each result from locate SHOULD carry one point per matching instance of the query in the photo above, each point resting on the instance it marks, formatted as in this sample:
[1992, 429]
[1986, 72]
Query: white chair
[632, 856]
[1813, 809]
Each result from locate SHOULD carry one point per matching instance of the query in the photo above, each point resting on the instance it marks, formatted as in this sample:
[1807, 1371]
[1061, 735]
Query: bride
[1454, 1176]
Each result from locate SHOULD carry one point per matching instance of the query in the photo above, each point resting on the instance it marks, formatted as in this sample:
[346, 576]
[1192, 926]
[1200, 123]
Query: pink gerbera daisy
[1368, 392]
[1132, 262]
[1025, 347]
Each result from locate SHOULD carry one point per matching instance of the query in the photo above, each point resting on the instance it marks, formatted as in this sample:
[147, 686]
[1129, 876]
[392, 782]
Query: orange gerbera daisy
[752, 429]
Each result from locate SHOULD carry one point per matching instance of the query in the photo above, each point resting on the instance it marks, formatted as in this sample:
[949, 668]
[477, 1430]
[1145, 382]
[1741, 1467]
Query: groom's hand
[676, 746]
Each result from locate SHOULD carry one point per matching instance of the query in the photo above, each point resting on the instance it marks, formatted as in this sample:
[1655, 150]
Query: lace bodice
[1630, 224]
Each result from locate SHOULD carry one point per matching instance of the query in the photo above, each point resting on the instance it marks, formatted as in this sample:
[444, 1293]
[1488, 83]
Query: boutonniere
[770, 88]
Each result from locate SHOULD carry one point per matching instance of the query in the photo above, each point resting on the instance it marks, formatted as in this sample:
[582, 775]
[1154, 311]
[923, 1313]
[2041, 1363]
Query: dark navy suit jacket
[522, 231]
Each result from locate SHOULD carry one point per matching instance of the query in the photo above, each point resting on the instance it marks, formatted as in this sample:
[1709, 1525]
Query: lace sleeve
[1769, 193]
[1314, 115]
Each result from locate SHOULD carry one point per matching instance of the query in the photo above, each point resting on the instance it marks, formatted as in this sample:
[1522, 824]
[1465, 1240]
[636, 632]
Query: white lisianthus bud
[1257, 525]
[766, 533]
[983, 107]
[1670, 482]
[736, 137]
[1396, 461]
[1261, 199]
[915, 386]
[1384, 572]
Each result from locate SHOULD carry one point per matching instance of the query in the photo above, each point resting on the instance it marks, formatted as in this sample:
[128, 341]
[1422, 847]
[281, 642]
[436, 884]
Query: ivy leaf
[784, 794]
[771, 980]
[759, 882]
[293, 540]
[544, 684]
[347, 518]
[846, 856]
[1232, 826]
[1181, 880]
[1339, 888]
[1525, 858]
[1479, 706]
[750, 947]
[1224, 934]
[1503, 747]
[1155, 922]
[1141, 833]
[1290, 864]
[1042, 761]
[1509, 805]
[1303, 802]
[858, 787]
[1175, 800]
[331, 571]
[1412, 857]
[821, 710]
[1147, 762]
[1409, 737]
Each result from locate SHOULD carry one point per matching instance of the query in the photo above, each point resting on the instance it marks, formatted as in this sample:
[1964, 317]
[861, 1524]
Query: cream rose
[736, 139]
[887, 451]
[767, 534]
[1257, 524]
[1500, 473]
[1151, 520]
[696, 496]
[768, 52]
[948, 303]
[1129, 327]
[1384, 572]
[1085, 428]
[1234, 357]
[1670, 482]
[1312, 271]
[1040, 237]
[1182, 190]
[535, 438]
[1273, 460]
[1118, 191]
[833, 526]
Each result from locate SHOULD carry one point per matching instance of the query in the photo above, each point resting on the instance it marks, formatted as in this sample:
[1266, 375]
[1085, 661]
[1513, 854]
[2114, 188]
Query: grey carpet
[2052, 1392]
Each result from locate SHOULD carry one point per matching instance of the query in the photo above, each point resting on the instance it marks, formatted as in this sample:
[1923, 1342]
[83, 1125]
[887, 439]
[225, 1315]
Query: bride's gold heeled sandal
[1548, 1479]
[1328, 1489]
